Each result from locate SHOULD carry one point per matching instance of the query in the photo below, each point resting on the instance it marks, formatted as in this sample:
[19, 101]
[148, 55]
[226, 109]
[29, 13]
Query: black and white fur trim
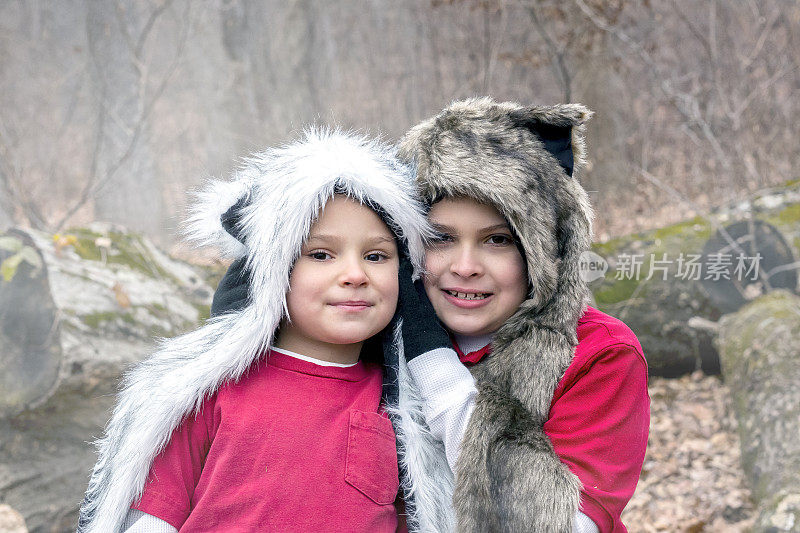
[427, 482]
[284, 189]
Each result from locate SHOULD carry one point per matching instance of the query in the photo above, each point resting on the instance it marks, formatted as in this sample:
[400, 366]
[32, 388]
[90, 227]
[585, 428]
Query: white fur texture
[429, 481]
[286, 187]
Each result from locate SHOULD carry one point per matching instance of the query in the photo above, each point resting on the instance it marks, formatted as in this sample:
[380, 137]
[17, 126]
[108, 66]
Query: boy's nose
[353, 273]
[465, 262]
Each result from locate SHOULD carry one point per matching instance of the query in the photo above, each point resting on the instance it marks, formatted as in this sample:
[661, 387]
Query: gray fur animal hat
[524, 161]
[280, 192]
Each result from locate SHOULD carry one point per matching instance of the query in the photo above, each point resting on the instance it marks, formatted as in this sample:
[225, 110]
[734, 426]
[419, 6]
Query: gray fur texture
[285, 189]
[508, 477]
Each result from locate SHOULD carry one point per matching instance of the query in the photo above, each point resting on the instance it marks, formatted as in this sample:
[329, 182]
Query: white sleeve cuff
[448, 389]
[584, 524]
[137, 521]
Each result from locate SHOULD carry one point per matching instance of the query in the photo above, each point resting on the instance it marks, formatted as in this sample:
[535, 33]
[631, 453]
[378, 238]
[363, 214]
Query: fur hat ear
[232, 219]
[559, 128]
[556, 139]
[215, 213]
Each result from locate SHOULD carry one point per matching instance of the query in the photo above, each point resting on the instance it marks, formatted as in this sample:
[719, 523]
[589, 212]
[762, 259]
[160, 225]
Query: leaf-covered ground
[691, 480]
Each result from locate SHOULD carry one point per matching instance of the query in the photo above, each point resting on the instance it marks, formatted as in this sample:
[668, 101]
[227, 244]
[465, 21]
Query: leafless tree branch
[685, 103]
[94, 185]
[557, 54]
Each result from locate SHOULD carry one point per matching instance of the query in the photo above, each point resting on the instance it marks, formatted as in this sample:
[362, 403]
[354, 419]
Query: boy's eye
[441, 238]
[376, 257]
[500, 239]
[319, 255]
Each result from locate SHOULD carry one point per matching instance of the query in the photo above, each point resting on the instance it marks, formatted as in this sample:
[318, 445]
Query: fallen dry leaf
[691, 480]
[121, 296]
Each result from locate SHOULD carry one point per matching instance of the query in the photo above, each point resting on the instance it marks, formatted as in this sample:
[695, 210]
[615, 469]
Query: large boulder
[76, 310]
[672, 284]
[760, 355]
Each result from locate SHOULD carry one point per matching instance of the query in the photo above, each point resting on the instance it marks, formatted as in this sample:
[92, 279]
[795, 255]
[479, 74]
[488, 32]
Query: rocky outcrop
[760, 355]
[75, 310]
[671, 285]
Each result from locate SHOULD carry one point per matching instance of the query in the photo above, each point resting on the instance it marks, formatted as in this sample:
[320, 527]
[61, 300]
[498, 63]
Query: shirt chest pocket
[371, 465]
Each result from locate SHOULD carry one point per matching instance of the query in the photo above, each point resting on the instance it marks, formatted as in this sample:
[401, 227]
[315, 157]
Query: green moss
[126, 249]
[788, 215]
[84, 245]
[773, 301]
[697, 228]
[158, 331]
[791, 183]
[611, 247]
[742, 328]
[10, 244]
[686, 237]
[616, 291]
[95, 320]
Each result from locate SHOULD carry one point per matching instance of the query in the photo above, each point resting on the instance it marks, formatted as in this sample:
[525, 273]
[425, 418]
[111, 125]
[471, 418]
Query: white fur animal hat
[280, 193]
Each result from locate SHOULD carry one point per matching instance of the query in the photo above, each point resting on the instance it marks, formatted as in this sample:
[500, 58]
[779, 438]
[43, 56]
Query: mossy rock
[760, 355]
[79, 307]
[659, 309]
[128, 249]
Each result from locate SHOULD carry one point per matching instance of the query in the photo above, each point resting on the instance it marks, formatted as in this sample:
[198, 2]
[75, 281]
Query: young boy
[544, 412]
[272, 417]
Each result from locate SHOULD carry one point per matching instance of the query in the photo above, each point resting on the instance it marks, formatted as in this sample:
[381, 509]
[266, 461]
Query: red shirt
[600, 416]
[292, 446]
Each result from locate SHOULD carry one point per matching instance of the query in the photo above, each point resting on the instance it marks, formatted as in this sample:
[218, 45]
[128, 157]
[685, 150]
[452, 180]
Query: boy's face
[343, 287]
[475, 277]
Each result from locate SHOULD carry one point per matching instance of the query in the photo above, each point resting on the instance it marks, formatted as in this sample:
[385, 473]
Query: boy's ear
[232, 218]
[556, 138]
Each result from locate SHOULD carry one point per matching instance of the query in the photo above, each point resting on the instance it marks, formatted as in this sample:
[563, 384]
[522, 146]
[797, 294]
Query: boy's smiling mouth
[463, 295]
[467, 299]
[351, 305]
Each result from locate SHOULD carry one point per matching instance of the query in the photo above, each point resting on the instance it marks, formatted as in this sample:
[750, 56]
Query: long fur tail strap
[509, 478]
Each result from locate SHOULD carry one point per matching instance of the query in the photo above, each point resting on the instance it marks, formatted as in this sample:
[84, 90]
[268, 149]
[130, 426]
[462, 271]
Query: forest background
[113, 111]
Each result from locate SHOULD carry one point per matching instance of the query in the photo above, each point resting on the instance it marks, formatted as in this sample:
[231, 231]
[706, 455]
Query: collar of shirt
[319, 362]
[471, 349]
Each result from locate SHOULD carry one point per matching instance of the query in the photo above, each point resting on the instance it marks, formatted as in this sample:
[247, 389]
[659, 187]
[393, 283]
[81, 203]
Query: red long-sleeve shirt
[600, 415]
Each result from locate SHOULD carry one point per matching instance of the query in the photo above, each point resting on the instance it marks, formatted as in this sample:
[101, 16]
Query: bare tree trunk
[600, 87]
[122, 79]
